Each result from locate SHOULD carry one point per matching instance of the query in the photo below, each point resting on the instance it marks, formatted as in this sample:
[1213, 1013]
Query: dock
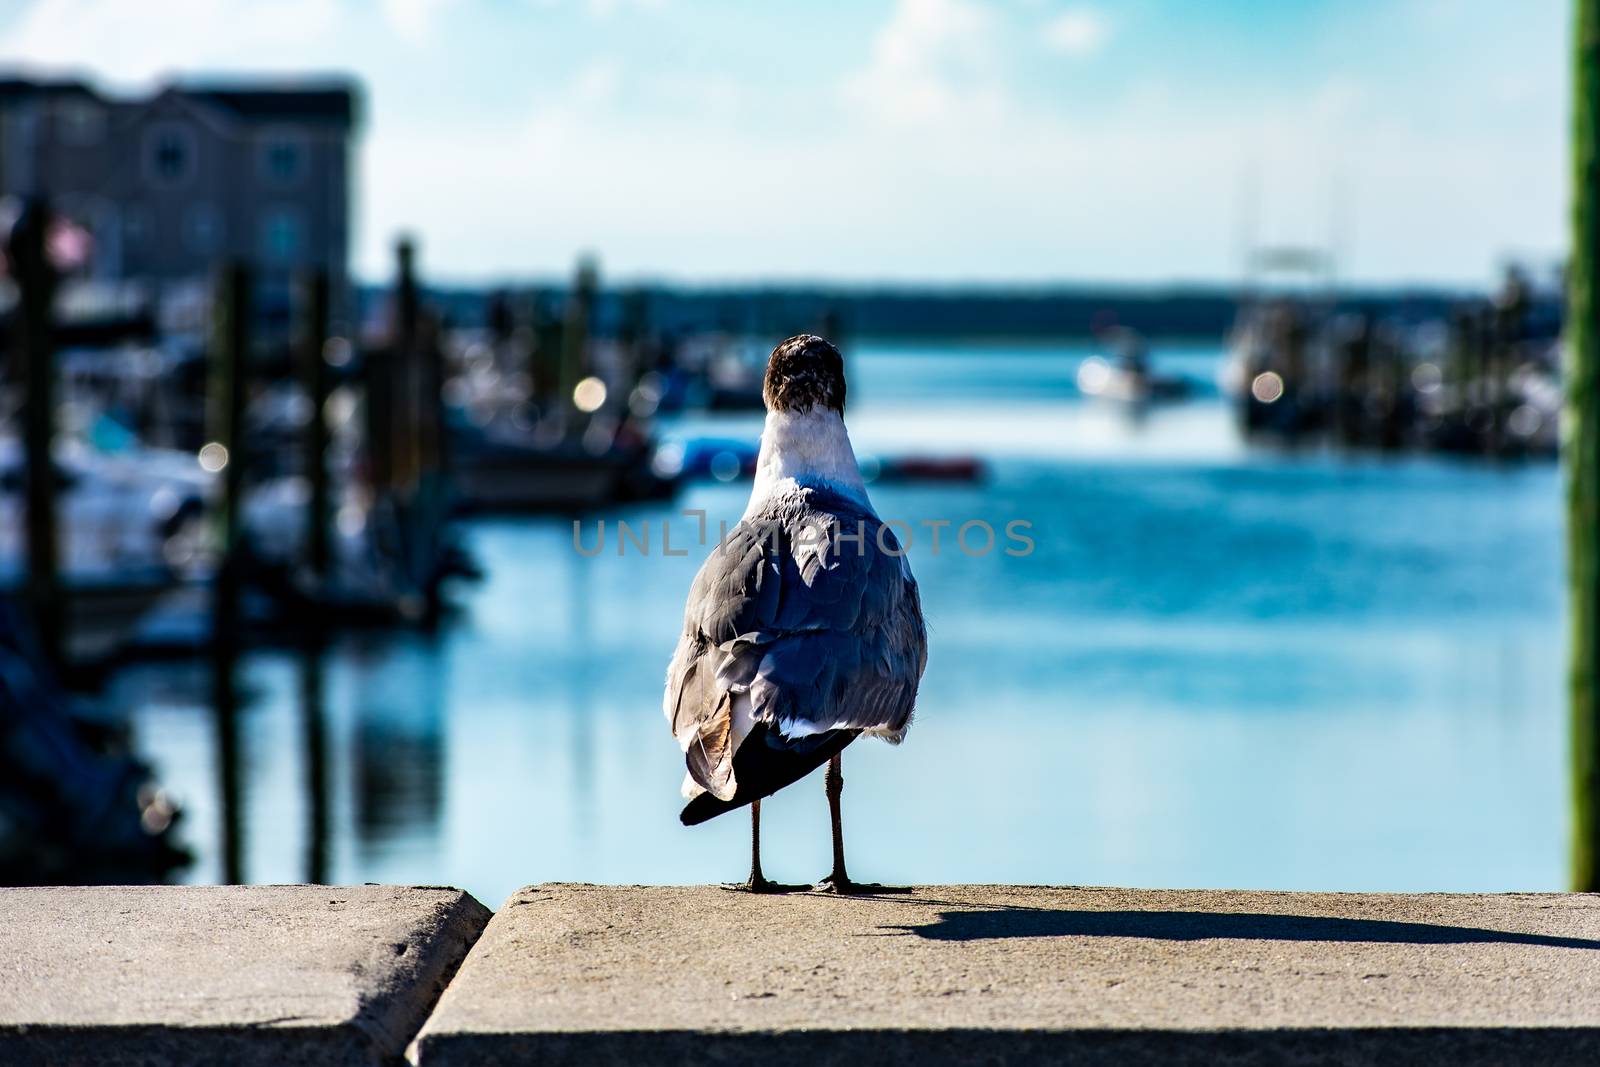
[997, 974]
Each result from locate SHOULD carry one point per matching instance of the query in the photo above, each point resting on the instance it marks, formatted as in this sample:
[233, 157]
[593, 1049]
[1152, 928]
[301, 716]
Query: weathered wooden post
[549, 340]
[1582, 447]
[1488, 394]
[431, 375]
[315, 384]
[407, 390]
[225, 451]
[1354, 354]
[1487, 398]
[575, 337]
[36, 281]
[378, 373]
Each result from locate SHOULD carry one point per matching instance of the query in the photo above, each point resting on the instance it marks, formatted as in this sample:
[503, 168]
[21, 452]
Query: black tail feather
[764, 764]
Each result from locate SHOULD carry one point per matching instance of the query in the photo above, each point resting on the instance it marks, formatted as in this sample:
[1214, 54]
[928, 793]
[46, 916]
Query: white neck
[806, 448]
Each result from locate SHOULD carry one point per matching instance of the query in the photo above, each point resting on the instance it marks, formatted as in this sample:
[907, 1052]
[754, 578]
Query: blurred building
[171, 183]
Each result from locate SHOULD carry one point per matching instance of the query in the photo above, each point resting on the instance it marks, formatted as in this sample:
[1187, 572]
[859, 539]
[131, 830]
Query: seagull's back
[803, 629]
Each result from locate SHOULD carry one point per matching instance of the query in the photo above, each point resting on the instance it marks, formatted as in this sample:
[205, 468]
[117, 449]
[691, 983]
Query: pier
[1005, 974]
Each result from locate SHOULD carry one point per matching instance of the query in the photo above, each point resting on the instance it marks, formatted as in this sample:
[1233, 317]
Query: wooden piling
[37, 281]
[1582, 448]
[575, 338]
[1354, 375]
[315, 384]
[432, 373]
[406, 392]
[378, 373]
[549, 340]
[228, 384]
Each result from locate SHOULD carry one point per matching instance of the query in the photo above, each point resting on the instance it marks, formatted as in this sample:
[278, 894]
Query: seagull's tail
[765, 763]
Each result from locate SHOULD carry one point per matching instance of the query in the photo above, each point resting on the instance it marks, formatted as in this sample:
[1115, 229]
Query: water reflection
[315, 733]
[398, 748]
[230, 786]
[580, 692]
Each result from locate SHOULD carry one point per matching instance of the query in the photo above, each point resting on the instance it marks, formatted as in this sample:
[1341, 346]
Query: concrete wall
[996, 974]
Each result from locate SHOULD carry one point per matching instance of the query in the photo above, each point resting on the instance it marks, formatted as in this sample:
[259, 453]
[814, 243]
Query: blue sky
[905, 140]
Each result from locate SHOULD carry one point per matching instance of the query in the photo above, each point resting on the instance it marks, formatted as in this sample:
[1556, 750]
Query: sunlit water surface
[1219, 666]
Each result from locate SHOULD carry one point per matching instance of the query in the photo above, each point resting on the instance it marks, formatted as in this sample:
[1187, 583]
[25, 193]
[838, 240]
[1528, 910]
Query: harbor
[477, 480]
[363, 633]
[1129, 621]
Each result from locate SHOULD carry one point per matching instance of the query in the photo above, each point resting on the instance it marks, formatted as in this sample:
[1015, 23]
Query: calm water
[1219, 667]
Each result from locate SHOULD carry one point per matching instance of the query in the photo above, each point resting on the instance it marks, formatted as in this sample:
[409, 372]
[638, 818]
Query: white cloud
[947, 154]
[929, 166]
[597, 83]
[1078, 31]
[135, 42]
[607, 8]
[413, 20]
[932, 58]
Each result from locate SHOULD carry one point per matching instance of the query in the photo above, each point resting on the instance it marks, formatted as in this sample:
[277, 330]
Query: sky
[945, 141]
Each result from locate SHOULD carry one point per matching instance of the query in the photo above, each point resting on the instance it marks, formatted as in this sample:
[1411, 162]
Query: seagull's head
[804, 373]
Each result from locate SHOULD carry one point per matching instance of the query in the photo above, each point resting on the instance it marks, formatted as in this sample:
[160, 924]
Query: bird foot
[762, 885]
[842, 886]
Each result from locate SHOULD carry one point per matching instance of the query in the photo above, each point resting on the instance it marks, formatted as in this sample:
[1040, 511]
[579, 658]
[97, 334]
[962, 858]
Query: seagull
[803, 629]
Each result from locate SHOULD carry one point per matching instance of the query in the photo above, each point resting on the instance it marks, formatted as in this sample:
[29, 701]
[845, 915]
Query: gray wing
[794, 623]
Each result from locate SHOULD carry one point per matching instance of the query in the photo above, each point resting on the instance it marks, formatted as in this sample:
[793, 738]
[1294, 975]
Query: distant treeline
[927, 312]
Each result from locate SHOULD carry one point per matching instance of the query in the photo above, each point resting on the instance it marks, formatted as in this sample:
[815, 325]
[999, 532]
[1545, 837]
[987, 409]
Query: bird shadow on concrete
[1205, 925]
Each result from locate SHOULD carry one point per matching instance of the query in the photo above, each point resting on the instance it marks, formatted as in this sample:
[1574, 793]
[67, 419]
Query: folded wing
[804, 622]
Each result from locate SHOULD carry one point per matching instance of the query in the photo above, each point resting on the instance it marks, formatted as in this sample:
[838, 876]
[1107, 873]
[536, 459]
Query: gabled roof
[321, 101]
[330, 100]
[14, 86]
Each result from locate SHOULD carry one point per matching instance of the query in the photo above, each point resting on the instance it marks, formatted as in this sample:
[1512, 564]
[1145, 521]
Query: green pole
[1582, 446]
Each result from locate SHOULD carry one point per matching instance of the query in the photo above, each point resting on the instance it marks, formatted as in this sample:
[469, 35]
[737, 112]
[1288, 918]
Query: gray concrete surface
[224, 975]
[582, 974]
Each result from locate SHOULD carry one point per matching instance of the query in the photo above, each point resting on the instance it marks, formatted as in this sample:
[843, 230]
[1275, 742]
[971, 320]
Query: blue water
[1219, 666]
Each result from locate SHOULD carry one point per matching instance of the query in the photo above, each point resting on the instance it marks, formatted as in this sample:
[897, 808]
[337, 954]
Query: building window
[81, 121]
[282, 238]
[202, 228]
[282, 158]
[135, 224]
[169, 154]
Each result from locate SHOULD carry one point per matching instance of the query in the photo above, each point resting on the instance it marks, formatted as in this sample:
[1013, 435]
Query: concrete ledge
[227, 975]
[570, 974]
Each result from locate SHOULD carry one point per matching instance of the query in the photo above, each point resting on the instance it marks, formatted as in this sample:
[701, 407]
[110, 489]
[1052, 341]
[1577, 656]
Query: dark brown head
[804, 372]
